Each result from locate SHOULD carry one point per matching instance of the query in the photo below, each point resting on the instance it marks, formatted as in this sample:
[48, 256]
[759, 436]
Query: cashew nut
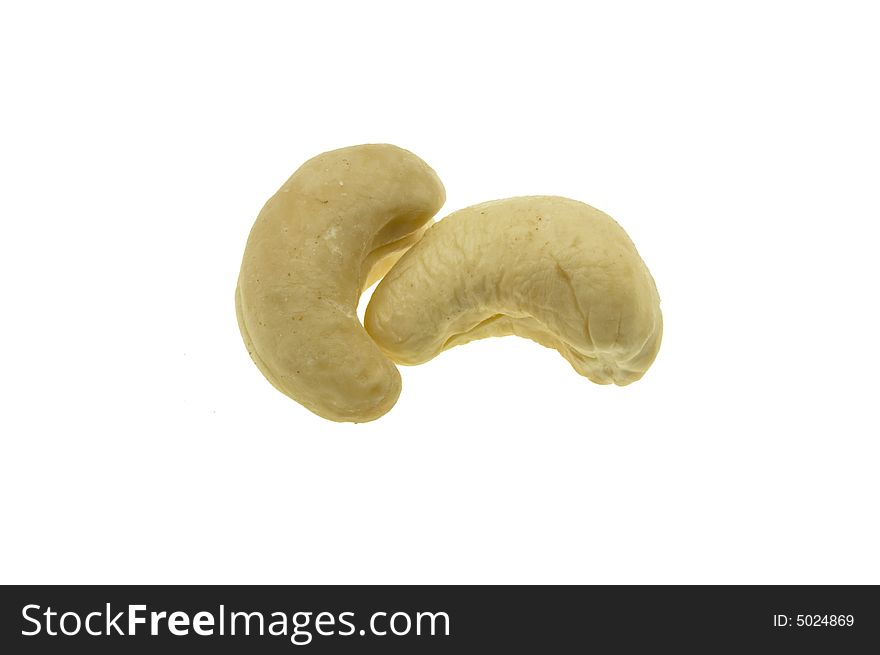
[334, 227]
[547, 268]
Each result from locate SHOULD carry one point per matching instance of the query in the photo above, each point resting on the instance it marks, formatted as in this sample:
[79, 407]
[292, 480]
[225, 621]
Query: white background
[737, 145]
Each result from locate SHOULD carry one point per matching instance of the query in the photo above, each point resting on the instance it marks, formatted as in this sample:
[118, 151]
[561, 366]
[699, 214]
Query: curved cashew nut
[547, 268]
[336, 225]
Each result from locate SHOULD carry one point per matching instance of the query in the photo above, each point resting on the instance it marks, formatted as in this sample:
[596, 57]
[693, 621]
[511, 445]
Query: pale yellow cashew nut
[551, 269]
[334, 227]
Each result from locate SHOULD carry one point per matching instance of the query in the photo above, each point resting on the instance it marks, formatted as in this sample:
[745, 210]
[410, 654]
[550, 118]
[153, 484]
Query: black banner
[447, 619]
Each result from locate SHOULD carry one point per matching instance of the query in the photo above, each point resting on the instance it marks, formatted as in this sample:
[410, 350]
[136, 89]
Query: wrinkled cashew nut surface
[551, 269]
[333, 228]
